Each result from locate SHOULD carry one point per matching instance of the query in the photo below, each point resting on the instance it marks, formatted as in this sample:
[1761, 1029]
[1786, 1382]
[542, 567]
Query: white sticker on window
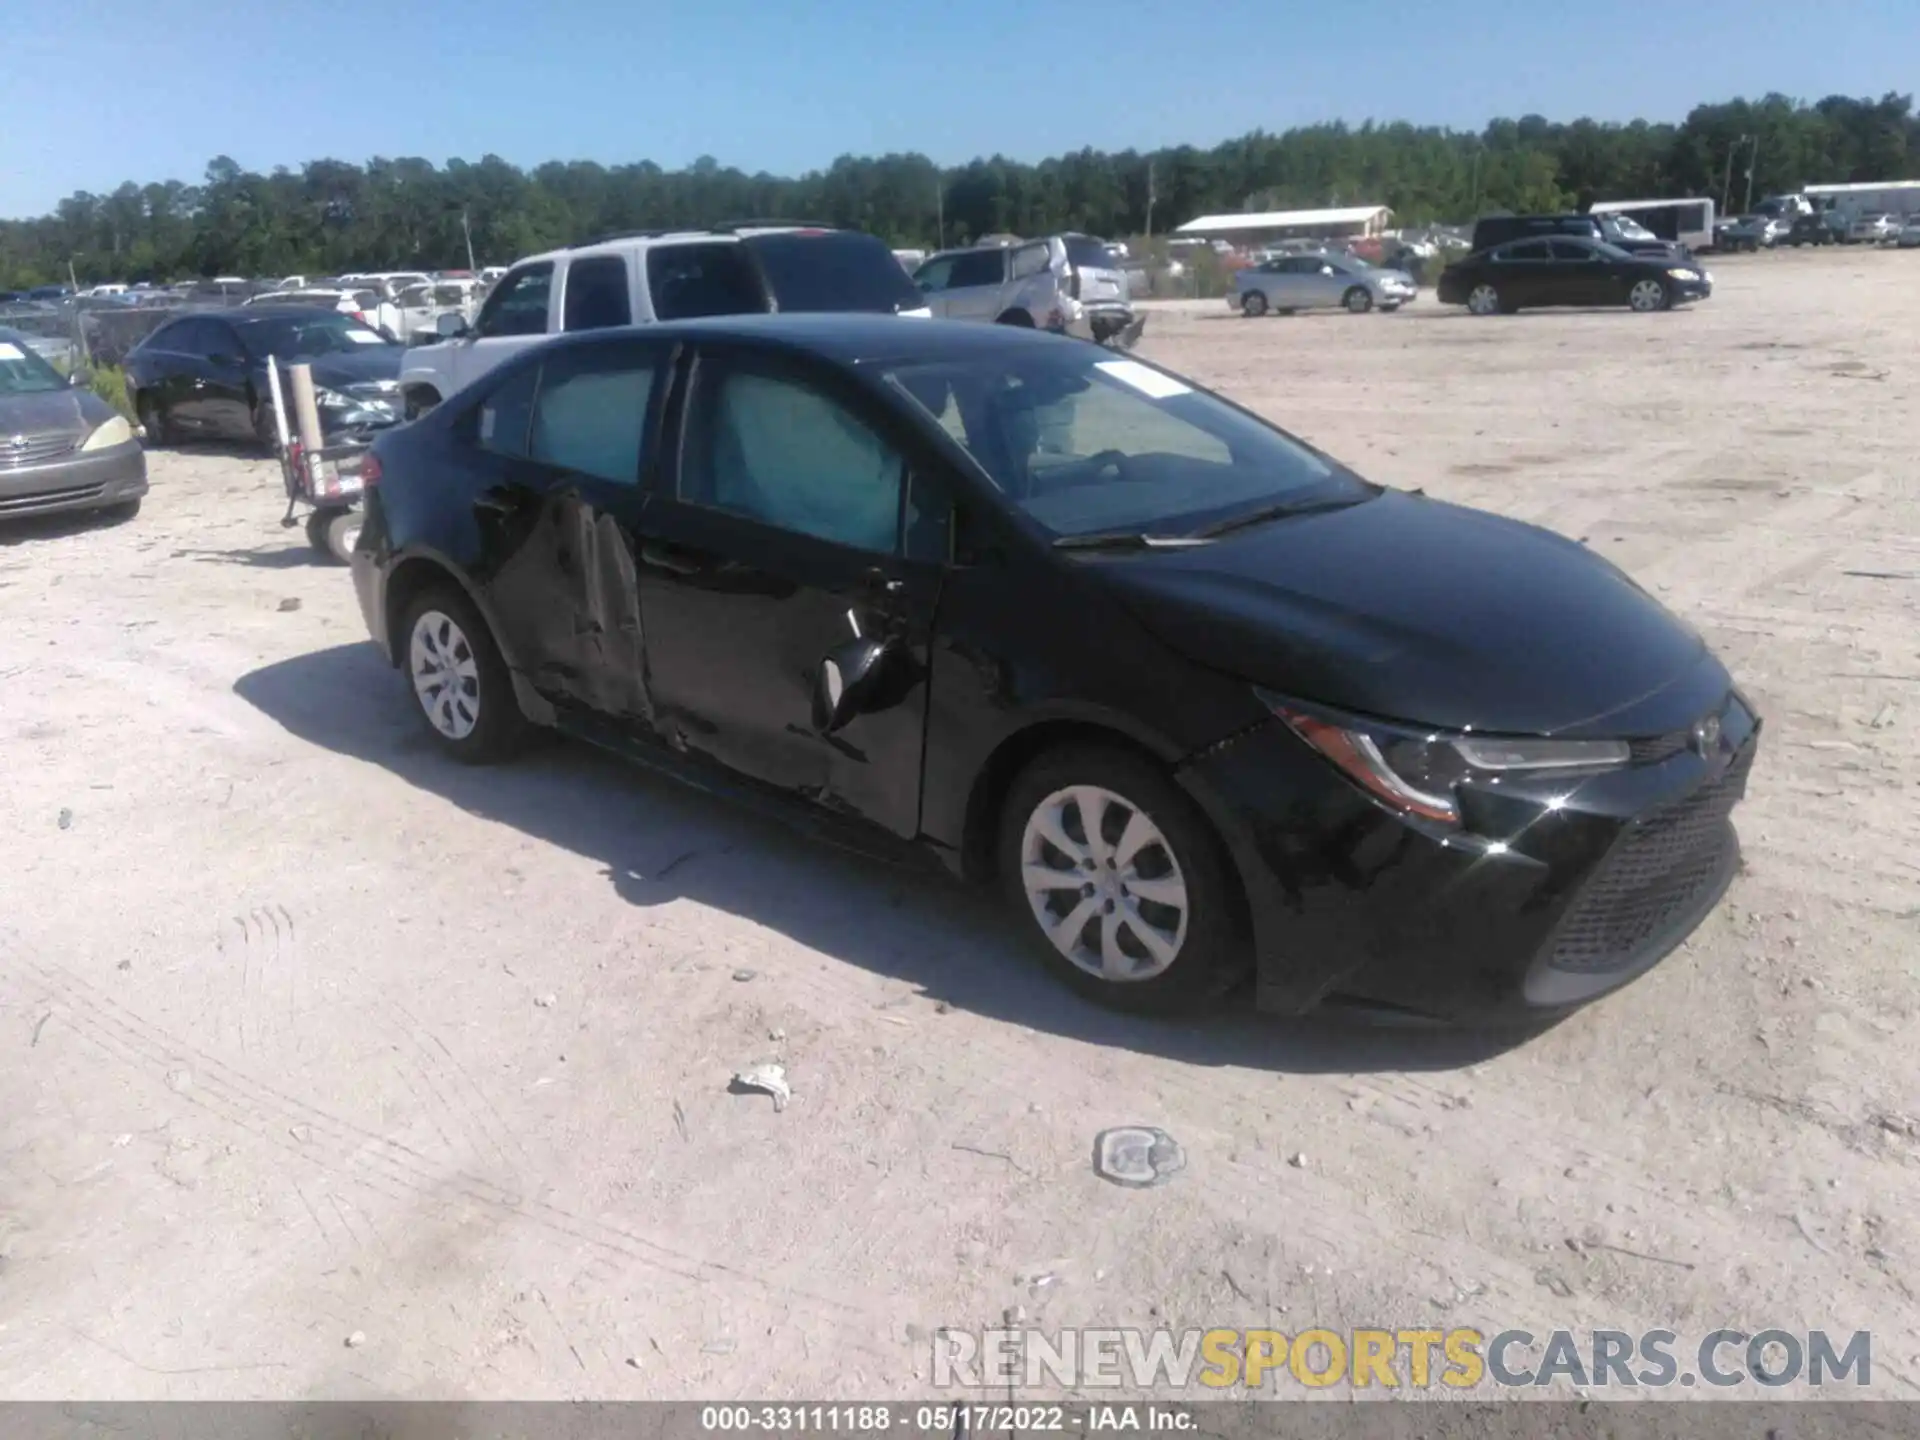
[1149, 382]
[10, 351]
[365, 337]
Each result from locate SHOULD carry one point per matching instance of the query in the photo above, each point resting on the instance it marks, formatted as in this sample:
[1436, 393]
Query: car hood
[52, 412]
[355, 367]
[1406, 608]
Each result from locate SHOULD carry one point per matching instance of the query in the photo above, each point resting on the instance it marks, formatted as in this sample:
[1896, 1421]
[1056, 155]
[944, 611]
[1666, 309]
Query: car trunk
[1096, 278]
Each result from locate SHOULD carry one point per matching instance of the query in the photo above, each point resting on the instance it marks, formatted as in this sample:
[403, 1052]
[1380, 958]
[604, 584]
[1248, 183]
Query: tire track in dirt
[386, 1167]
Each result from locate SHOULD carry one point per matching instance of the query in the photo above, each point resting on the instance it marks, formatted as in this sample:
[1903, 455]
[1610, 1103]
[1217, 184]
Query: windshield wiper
[1128, 540]
[1266, 513]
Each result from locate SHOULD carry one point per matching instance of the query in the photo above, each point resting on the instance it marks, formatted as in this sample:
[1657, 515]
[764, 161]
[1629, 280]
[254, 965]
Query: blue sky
[93, 92]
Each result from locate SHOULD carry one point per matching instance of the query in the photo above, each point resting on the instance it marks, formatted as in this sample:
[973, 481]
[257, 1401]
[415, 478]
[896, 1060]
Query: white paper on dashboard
[1148, 381]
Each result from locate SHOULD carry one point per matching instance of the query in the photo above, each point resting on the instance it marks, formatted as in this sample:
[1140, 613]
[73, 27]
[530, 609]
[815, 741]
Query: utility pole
[466, 232]
[1150, 198]
[1753, 160]
[1726, 187]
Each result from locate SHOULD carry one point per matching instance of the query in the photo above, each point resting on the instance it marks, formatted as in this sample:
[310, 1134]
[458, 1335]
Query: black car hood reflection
[1409, 608]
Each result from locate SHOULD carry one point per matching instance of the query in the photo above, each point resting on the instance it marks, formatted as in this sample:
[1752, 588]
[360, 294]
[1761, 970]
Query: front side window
[775, 449]
[590, 415]
[1526, 250]
[597, 294]
[1573, 251]
[518, 306]
[688, 281]
[1085, 444]
[936, 275]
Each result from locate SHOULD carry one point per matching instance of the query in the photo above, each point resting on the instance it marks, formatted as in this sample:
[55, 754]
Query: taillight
[369, 470]
[357, 315]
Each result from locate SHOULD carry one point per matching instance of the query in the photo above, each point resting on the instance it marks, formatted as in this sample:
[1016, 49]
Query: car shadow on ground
[660, 841]
[26, 529]
[294, 557]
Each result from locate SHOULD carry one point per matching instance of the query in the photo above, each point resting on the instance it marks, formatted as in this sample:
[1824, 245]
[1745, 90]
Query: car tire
[459, 682]
[1358, 300]
[154, 421]
[1253, 304]
[1649, 296]
[265, 431]
[419, 401]
[1484, 299]
[1183, 860]
[334, 533]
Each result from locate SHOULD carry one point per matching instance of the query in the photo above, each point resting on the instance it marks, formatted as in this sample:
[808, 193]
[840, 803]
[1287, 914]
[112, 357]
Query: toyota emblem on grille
[1706, 735]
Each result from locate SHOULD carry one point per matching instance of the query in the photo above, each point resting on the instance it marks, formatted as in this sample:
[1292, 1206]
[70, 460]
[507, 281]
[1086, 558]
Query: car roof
[849, 338]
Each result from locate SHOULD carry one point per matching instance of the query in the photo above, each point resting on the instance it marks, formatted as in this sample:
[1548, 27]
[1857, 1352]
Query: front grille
[30, 449]
[1653, 750]
[1653, 875]
[49, 498]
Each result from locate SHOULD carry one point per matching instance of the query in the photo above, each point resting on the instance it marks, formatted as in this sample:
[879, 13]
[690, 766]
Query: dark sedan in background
[61, 446]
[204, 375]
[1566, 270]
[1202, 700]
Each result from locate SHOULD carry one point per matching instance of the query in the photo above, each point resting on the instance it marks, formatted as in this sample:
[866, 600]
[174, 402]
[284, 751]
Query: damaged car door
[789, 568]
[564, 445]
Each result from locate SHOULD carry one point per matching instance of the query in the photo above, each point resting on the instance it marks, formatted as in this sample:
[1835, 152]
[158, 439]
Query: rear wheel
[1358, 300]
[419, 401]
[459, 681]
[1253, 304]
[1019, 318]
[1120, 882]
[1648, 295]
[1484, 299]
[334, 533]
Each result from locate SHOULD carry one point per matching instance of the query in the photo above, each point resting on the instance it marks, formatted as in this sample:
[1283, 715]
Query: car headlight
[113, 432]
[1414, 772]
[1681, 273]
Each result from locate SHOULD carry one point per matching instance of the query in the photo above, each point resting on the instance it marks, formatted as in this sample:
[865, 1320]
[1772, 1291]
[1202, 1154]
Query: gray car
[61, 446]
[1071, 284]
[1287, 283]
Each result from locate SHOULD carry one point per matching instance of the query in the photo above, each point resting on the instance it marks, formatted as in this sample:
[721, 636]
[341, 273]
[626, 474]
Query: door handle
[499, 501]
[665, 557]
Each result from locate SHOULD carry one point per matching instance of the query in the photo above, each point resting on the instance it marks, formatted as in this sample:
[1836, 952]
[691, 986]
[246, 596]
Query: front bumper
[78, 480]
[1685, 291]
[368, 566]
[1544, 902]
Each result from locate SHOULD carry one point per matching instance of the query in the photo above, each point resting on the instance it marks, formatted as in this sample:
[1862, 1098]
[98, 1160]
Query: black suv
[1499, 229]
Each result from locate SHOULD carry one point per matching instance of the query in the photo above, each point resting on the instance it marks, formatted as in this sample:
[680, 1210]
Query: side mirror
[845, 679]
[450, 326]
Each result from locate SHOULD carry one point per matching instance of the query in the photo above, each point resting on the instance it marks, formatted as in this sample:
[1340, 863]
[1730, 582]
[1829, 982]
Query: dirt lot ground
[309, 1034]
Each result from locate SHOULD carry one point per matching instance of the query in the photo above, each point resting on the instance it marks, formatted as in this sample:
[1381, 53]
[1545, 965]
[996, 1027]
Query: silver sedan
[1319, 282]
[61, 446]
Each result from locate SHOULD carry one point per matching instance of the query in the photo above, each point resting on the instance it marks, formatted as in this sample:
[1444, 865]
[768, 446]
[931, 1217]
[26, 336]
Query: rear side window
[591, 412]
[1085, 252]
[1527, 250]
[519, 305]
[506, 415]
[688, 281]
[597, 294]
[840, 270]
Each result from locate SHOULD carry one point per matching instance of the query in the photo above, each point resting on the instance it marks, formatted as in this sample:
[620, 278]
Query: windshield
[1086, 444]
[838, 271]
[1086, 253]
[288, 337]
[22, 372]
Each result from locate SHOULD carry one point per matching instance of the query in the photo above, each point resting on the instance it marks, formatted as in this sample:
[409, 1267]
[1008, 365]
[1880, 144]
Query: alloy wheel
[1359, 301]
[1647, 295]
[1483, 300]
[1104, 884]
[446, 674]
[1253, 303]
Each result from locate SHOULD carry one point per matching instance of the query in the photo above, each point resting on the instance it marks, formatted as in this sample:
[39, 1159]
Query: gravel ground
[310, 1035]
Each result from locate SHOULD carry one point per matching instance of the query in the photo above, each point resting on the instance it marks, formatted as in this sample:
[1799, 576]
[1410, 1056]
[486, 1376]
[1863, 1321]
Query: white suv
[660, 275]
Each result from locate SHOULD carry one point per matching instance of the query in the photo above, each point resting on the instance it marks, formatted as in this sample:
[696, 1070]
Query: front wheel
[419, 402]
[1484, 299]
[1120, 881]
[334, 533]
[1253, 304]
[1358, 300]
[459, 681]
[154, 421]
[1648, 296]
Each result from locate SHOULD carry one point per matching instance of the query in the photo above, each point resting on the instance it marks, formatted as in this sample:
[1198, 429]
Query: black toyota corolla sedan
[1202, 702]
[1569, 270]
[204, 374]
